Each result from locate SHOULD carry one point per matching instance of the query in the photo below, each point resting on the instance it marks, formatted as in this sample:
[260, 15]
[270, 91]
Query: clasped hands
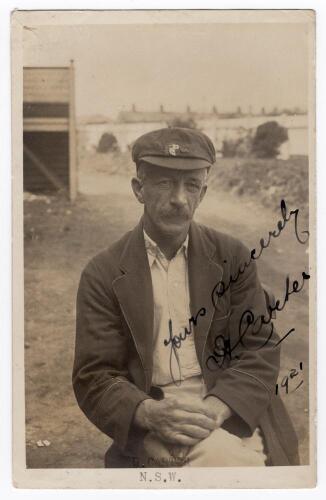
[182, 420]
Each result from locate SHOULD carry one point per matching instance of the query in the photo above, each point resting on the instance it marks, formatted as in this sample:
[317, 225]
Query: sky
[196, 65]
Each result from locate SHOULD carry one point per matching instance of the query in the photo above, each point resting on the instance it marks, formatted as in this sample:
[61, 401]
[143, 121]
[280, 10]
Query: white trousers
[219, 449]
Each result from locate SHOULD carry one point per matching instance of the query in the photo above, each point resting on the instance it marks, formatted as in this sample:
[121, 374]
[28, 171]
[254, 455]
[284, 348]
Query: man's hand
[181, 421]
[221, 410]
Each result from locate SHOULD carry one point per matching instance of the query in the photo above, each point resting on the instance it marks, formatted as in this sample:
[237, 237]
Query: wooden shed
[49, 128]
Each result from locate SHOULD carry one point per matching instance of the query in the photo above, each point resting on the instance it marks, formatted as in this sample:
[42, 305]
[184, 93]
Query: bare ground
[59, 240]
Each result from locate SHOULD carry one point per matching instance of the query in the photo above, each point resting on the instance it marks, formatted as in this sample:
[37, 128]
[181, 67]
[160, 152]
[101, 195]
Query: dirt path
[57, 249]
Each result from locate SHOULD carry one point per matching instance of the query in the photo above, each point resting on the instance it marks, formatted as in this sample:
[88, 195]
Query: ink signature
[222, 347]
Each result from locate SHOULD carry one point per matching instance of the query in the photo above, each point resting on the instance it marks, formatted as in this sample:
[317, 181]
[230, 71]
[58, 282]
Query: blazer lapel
[204, 274]
[134, 292]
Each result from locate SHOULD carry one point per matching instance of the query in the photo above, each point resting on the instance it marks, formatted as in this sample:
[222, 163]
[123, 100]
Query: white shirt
[171, 364]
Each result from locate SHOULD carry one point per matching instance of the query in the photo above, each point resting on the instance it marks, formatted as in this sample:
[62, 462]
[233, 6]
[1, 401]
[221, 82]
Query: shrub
[229, 148]
[108, 142]
[268, 139]
[240, 147]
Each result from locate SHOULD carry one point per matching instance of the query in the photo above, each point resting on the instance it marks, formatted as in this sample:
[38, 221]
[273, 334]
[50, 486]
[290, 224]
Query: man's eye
[164, 183]
[193, 187]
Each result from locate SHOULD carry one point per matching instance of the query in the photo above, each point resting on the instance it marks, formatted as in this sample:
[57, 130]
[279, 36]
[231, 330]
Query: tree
[108, 142]
[268, 139]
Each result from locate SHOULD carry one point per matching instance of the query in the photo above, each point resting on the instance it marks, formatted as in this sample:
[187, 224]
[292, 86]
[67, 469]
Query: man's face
[171, 197]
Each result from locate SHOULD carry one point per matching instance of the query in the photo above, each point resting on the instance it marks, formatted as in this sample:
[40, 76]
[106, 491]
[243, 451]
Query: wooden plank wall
[48, 96]
[45, 110]
[52, 148]
[49, 85]
[73, 178]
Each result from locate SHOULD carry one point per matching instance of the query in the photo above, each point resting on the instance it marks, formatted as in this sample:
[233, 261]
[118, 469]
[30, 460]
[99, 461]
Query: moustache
[176, 214]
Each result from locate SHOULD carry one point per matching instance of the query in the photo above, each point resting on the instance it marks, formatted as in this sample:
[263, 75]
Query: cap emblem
[173, 148]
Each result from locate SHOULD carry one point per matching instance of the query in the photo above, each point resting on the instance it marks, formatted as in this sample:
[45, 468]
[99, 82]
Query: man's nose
[178, 197]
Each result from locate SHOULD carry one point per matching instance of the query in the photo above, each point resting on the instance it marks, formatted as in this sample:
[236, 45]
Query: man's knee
[223, 449]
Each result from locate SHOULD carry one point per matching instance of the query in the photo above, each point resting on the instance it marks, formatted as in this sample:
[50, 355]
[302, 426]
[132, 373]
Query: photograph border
[271, 477]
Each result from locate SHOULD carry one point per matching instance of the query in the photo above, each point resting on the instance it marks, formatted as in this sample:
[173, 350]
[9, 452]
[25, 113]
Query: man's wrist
[141, 416]
[223, 411]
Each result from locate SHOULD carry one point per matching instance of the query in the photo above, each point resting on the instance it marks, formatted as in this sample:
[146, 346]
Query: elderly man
[166, 362]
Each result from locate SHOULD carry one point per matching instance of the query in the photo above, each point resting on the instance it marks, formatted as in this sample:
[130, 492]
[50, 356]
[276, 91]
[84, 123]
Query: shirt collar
[154, 251]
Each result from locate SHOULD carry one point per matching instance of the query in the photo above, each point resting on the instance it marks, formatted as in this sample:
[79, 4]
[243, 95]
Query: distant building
[126, 132]
[218, 126]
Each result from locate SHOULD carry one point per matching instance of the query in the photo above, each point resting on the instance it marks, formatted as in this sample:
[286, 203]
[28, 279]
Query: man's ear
[137, 187]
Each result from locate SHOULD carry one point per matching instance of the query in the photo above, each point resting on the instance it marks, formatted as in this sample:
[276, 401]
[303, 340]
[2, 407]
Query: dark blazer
[114, 341]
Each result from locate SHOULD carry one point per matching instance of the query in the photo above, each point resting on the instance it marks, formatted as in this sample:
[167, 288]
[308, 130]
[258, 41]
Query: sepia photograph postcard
[164, 274]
